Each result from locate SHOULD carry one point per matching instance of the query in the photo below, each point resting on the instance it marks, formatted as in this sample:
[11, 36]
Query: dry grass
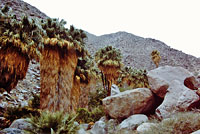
[179, 123]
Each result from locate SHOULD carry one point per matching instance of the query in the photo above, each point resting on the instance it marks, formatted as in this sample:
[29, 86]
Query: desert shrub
[58, 123]
[86, 116]
[13, 113]
[179, 123]
[95, 99]
[134, 78]
[35, 101]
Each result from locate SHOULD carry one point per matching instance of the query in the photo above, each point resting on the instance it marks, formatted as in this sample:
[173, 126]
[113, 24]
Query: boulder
[98, 128]
[133, 121]
[21, 124]
[114, 89]
[178, 98]
[161, 78]
[129, 102]
[145, 127]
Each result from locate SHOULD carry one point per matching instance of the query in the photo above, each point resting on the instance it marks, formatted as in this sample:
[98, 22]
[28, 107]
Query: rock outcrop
[161, 78]
[177, 98]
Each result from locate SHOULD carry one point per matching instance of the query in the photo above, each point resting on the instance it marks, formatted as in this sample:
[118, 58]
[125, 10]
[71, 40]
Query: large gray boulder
[177, 98]
[160, 79]
[129, 102]
[133, 121]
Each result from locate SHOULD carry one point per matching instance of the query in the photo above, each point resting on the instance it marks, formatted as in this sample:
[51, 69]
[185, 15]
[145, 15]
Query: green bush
[95, 99]
[58, 123]
[13, 113]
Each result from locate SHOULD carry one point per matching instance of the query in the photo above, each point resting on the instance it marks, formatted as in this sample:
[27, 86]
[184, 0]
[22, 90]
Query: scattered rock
[84, 126]
[178, 98]
[82, 131]
[114, 89]
[11, 131]
[21, 124]
[129, 102]
[111, 126]
[160, 79]
[196, 132]
[144, 127]
[98, 128]
[133, 121]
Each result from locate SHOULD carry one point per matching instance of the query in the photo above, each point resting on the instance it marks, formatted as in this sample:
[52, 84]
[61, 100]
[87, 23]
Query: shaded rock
[98, 128]
[178, 98]
[133, 121]
[144, 127]
[127, 103]
[161, 78]
[4, 122]
[114, 89]
[11, 131]
[21, 124]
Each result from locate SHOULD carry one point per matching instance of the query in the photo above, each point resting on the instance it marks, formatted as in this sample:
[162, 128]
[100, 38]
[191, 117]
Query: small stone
[133, 121]
[98, 128]
[114, 89]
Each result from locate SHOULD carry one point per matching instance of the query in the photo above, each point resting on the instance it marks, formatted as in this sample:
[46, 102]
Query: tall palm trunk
[68, 65]
[57, 78]
[49, 73]
[13, 67]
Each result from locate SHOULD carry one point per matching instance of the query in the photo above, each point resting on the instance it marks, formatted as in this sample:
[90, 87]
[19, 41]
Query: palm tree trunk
[49, 73]
[68, 65]
[75, 94]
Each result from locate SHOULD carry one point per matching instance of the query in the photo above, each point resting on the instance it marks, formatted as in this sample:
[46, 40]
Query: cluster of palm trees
[64, 62]
[49, 42]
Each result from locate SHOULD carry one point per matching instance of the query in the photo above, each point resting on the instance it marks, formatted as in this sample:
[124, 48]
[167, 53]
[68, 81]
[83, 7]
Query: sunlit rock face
[130, 102]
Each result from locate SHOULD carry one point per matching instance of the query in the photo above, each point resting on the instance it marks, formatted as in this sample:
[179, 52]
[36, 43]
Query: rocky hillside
[20, 7]
[136, 51]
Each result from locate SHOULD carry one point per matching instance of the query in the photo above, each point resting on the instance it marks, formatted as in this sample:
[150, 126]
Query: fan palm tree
[18, 40]
[108, 60]
[155, 56]
[58, 62]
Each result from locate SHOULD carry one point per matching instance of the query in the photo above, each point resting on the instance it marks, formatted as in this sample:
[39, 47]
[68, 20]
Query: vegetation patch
[179, 123]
